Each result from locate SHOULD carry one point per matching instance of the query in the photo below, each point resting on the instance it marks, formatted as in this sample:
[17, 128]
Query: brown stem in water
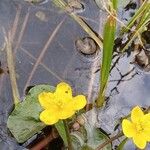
[44, 142]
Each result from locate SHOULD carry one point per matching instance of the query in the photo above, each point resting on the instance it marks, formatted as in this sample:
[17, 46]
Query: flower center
[139, 127]
[60, 104]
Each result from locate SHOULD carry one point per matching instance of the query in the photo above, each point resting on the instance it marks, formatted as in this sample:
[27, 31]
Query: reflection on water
[45, 52]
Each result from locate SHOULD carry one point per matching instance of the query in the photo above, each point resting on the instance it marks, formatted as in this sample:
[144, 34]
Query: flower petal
[136, 114]
[129, 129]
[78, 102]
[146, 118]
[48, 118]
[65, 113]
[46, 99]
[64, 90]
[146, 135]
[139, 141]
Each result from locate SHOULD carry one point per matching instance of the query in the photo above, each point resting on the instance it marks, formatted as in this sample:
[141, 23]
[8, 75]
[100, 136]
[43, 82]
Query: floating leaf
[24, 121]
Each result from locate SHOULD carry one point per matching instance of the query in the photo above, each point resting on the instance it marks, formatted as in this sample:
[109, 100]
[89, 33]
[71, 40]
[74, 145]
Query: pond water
[45, 51]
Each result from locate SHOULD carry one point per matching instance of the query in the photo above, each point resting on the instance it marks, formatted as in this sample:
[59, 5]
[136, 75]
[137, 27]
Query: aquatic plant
[56, 106]
[60, 104]
[138, 128]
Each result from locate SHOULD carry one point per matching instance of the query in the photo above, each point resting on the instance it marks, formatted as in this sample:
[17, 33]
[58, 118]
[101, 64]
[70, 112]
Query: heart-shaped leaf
[24, 121]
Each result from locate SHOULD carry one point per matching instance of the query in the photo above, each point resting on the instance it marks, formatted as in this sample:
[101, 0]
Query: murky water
[45, 52]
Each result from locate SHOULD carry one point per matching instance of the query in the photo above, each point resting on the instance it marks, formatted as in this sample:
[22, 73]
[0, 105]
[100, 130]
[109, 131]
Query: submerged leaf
[95, 138]
[89, 138]
[77, 140]
[86, 148]
[24, 121]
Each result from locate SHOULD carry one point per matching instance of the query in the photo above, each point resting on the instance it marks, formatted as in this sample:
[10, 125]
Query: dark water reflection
[45, 52]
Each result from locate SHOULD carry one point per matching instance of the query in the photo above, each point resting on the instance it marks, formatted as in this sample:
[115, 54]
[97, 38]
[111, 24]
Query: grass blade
[115, 3]
[144, 20]
[108, 43]
[136, 16]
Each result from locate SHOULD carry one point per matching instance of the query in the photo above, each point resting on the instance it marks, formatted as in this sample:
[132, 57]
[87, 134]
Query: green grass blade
[145, 18]
[115, 4]
[136, 16]
[108, 44]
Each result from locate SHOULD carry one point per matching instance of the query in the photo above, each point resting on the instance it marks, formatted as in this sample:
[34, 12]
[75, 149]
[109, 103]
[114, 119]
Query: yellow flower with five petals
[60, 104]
[138, 128]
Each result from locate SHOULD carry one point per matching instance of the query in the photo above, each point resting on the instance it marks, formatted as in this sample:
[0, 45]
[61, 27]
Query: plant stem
[100, 147]
[11, 67]
[68, 134]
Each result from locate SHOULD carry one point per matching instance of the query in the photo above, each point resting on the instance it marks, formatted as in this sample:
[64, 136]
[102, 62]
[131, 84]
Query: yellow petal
[146, 117]
[146, 127]
[65, 113]
[46, 99]
[48, 118]
[146, 135]
[136, 114]
[129, 129]
[139, 141]
[63, 90]
[78, 102]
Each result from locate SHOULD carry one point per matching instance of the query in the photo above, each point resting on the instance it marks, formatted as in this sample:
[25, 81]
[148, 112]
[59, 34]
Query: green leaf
[108, 44]
[24, 121]
[61, 130]
[115, 4]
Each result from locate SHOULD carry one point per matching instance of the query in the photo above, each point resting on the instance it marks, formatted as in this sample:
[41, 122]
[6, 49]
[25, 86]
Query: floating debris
[36, 1]
[41, 16]
[75, 6]
[86, 46]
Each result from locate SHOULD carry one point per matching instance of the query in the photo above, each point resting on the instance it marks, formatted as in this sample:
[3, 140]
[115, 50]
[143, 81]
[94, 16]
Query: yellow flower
[138, 128]
[60, 104]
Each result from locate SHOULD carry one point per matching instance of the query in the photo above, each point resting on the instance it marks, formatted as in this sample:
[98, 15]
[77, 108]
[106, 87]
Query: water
[45, 52]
